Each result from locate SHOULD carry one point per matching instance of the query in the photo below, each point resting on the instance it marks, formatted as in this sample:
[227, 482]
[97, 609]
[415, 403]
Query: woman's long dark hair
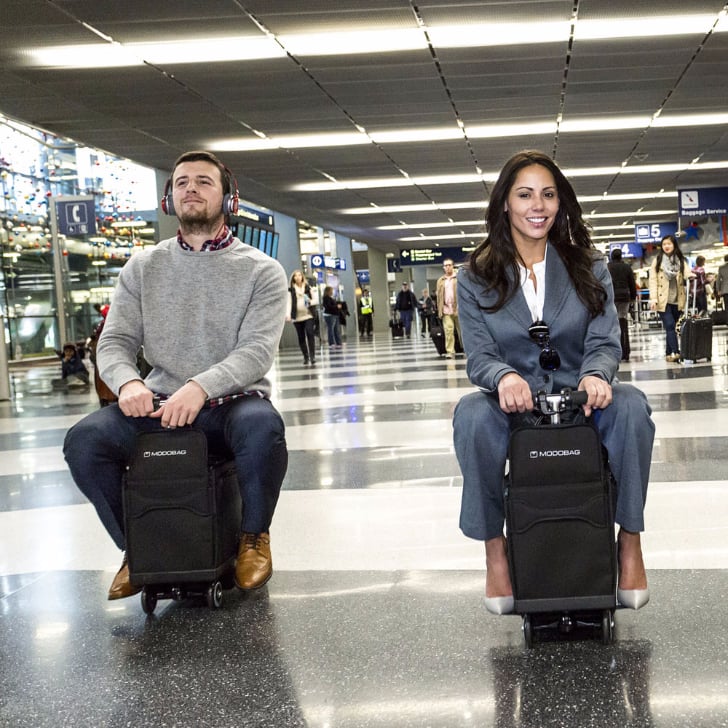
[676, 251]
[497, 255]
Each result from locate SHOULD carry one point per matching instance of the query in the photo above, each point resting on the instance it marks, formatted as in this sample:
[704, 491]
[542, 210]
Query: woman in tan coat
[668, 275]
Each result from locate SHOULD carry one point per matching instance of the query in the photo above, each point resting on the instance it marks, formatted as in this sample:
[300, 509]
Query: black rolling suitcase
[182, 515]
[395, 323]
[559, 501]
[437, 334]
[695, 332]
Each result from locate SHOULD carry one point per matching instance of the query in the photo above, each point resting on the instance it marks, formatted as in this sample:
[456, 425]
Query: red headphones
[229, 201]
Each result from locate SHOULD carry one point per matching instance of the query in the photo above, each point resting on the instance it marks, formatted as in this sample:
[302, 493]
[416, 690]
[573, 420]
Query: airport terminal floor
[374, 616]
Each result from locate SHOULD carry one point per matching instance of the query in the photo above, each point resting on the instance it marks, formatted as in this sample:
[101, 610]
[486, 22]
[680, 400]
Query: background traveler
[406, 304]
[366, 311]
[426, 307]
[625, 293]
[332, 318]
[720, 289]
[447, 306]
[668, 275]
[301, 302]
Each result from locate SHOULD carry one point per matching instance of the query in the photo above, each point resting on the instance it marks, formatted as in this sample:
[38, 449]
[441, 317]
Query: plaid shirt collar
[221, 241]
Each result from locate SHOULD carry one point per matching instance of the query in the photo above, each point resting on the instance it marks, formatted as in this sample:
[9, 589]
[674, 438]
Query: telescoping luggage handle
[554, 405]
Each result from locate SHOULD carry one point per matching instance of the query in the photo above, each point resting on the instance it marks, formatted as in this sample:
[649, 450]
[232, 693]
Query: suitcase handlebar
[553, 404]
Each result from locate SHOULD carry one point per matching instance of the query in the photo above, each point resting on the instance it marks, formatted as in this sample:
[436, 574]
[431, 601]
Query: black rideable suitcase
[559, 501]
[182, 514]
[696, 333]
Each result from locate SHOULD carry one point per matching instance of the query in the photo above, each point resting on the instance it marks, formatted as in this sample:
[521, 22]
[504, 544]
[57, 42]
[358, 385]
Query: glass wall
[35, 169]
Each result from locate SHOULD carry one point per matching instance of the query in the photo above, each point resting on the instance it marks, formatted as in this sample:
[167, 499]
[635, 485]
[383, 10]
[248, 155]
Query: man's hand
[599, 391]
[135, 400]
[514, 394]
[182, 407]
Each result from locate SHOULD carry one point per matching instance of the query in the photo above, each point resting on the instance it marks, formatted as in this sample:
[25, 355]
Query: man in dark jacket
[625, 292]
[406, 305]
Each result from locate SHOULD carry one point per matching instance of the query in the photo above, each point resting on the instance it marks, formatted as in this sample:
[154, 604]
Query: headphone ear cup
[167, 202]
[230, 204]
[168, 205]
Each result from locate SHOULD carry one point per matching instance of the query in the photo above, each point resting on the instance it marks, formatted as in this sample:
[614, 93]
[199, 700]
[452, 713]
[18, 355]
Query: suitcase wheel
[213, 595]
[149, 600]
[607, 627]
[528, 630]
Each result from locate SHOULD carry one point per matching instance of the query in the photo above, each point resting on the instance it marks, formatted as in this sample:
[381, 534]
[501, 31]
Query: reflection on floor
[374, 615]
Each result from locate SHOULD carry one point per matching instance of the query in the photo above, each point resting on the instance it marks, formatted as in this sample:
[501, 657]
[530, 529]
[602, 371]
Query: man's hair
[617, 254]
[202, 156]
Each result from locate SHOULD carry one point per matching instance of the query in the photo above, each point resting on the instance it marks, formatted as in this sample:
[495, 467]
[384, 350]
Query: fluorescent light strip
[421, 238]
[385, 209]
[646, 27]
[480, 205]
[467, 223]
[386, 182]
[425, 225]
[485, 131]
[633, 213]
[343, 42]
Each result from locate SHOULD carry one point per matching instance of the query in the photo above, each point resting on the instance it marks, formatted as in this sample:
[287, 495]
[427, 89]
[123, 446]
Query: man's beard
[199, 223]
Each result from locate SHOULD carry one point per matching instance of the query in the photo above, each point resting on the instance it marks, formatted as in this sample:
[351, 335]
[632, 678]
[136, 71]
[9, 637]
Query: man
[720, 289]
[625, 293]
[209, 312]
[406, 304]
[365, 314]
[447, 306]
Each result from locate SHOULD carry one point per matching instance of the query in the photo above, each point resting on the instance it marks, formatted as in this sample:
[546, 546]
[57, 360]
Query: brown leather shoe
[122, 587]
[254, 565]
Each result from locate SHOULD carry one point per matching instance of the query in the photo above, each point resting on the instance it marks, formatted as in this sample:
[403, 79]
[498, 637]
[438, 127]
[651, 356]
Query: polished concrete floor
[374, 615]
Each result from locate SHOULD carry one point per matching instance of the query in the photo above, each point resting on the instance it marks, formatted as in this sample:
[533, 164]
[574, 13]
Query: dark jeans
[306, 338]
[98, 448]
[406, 317]
[333, 328]
[669, 318]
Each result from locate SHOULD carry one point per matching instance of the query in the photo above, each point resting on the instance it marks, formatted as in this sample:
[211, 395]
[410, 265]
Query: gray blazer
[498, 343]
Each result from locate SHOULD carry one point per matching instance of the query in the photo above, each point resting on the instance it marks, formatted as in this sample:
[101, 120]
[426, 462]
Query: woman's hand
[598, 391]
[514, 394]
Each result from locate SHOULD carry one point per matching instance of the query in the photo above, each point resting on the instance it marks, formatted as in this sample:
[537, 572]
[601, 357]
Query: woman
[300, 314]
[538, 264]
[332, 314]
[668, 274]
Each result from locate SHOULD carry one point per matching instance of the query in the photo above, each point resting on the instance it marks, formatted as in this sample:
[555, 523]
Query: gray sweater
[214, 317]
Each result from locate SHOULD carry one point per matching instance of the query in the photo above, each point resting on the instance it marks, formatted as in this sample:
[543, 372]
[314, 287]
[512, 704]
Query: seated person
[209, 312]
[538, 264]
[73, 370]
